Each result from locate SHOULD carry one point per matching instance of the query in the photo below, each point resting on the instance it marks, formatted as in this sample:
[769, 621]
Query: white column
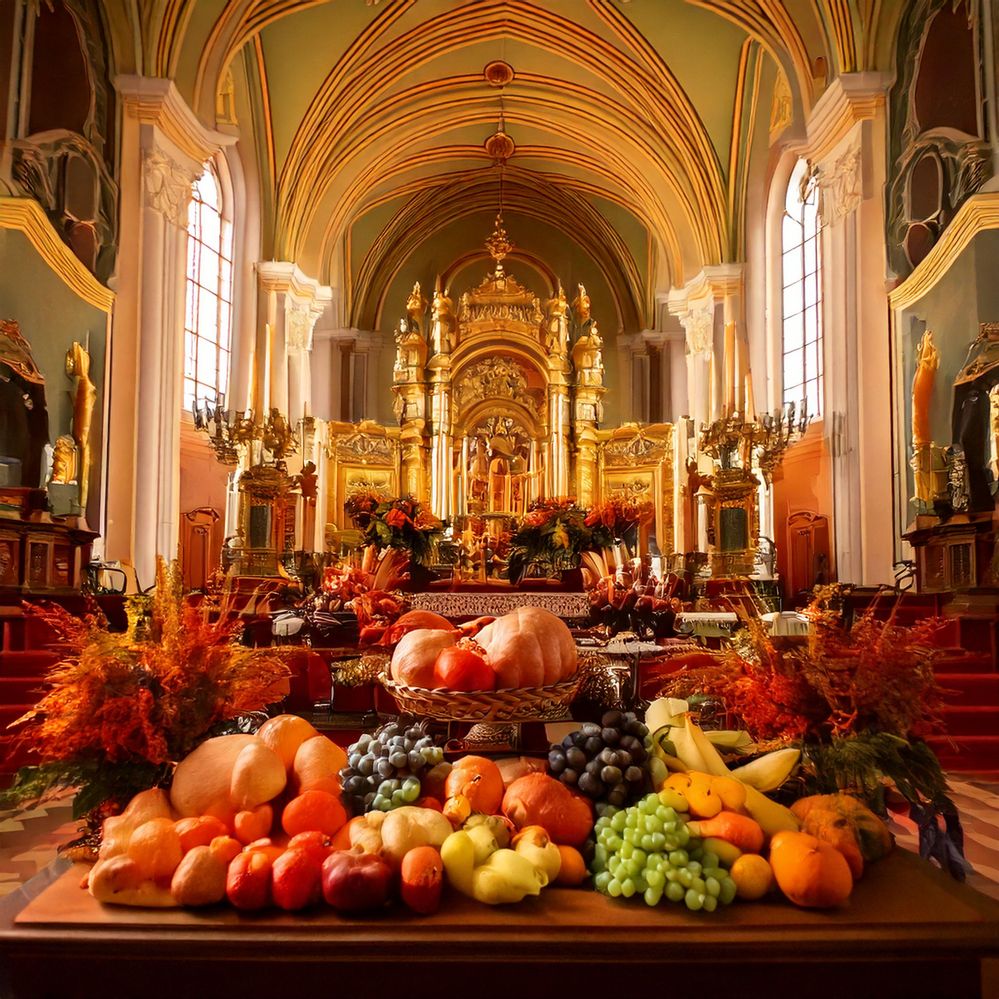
[163, 149]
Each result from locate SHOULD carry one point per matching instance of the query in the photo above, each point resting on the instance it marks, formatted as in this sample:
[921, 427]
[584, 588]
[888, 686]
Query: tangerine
[155, 846]
[573, 870]
[199, 830]
[752, 875]
[315, 809]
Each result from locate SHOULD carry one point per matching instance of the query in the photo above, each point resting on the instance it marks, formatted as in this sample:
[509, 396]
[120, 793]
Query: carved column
[163, 150]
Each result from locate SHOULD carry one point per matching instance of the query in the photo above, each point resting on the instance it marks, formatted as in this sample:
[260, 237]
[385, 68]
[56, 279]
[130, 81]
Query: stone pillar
[163, 150]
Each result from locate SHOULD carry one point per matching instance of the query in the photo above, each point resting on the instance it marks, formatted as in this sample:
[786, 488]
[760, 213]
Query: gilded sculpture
[442, 324]
[581, 306]
[84, 394]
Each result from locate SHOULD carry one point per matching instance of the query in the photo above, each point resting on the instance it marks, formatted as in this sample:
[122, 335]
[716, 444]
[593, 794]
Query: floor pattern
[30, 840]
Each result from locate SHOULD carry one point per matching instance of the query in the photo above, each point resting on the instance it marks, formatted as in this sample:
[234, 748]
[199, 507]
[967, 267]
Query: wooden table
[909, 931]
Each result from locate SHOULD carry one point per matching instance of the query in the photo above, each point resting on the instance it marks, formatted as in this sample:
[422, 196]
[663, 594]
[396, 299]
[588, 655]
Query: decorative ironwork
[231, 431]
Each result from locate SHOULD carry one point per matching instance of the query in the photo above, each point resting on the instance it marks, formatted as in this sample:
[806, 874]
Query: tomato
[462, 669]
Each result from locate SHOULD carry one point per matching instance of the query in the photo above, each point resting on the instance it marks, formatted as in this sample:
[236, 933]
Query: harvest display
[637, 809]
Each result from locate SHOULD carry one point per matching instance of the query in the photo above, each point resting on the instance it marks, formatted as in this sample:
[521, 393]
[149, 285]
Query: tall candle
[252, 383]
[739, 383]
[712, 391]
[750, 401]
[729, 368]
[927, 362]
[268, 353]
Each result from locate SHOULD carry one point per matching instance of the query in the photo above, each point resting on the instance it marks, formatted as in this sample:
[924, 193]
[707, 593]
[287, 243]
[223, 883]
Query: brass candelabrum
[230, 430]
[731, 441]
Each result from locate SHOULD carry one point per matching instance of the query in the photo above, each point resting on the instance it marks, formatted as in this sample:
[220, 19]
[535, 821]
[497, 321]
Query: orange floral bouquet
[122, 708]
[403, 523]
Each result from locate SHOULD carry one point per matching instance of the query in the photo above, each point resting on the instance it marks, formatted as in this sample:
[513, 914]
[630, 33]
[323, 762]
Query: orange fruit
[225, 847]
[480, 781]
[313, 810]
[573, 870]
[317, 766]
[752, 875]
[199, 830]
[155, 846]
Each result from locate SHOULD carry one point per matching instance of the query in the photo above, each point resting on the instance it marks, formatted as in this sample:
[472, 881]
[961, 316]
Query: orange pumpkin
[808, 871]
[415, 655]
[479, 781]
[529, 647]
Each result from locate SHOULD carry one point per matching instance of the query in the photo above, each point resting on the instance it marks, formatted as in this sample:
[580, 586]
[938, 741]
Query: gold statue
[416, 306]
[63, 460]
[587, 357]
[441, 323]
[581, 306]
[84, 397]
[922, 462]
[556, 340]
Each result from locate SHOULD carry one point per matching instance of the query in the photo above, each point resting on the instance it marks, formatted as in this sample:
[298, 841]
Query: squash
[415, 655]
[810, 872]
[837, 818]
[529, 647]
[540, 800]
[476, 780]
[203, 779]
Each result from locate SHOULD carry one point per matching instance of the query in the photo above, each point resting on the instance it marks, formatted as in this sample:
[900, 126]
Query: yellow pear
[257, 776]
[284, 734]
[317, 765]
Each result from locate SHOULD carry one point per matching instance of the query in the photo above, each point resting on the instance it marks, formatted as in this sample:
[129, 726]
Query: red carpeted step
[962, 661]
[967, 754]
[970, 689]
[976, 720]
[20, 689]
[27, 664]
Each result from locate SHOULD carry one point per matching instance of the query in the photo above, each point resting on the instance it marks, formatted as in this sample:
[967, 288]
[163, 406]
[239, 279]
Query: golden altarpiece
[499, 402]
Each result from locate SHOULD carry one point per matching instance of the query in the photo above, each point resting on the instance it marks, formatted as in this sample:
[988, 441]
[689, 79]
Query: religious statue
[478, 473]
[441, 323]
[587, 357]
[500, 484]
[416, 307]
[557, 334]
[84, 397]
[927, 362]
[63, 460]
[581, 306]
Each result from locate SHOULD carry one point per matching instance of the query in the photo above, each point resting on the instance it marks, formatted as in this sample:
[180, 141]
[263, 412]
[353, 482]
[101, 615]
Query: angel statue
[581, 306]
[441, 323]
[416, 307]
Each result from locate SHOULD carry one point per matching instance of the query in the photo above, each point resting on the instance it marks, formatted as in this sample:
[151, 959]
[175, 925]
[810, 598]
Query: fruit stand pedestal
[907, 931]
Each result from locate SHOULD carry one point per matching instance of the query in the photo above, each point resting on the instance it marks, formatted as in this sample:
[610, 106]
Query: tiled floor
[29, 841]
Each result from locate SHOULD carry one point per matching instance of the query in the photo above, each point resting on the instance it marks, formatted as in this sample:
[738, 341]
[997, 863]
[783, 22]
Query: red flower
[397, 518]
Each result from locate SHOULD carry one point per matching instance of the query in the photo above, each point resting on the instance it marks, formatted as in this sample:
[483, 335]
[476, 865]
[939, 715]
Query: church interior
[676, 321]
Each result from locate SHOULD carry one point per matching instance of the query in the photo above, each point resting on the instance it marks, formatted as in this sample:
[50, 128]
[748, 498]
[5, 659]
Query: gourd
[415, 655]
[476, 780]
[810, 872]
[838, 818]
[529, 647]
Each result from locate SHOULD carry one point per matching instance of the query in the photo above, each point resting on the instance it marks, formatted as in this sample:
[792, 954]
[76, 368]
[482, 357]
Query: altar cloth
[564, 605]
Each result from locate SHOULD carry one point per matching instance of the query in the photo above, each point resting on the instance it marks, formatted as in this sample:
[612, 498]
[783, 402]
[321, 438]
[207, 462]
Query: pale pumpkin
[810, 872]
[529, 647]
[415, 655]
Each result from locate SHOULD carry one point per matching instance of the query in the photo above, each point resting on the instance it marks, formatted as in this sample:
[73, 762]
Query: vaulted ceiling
[636, 126]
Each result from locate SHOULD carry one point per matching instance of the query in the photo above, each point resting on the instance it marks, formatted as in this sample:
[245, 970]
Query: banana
[768, 772]
[687, 750]
[727, 853]
[772, 817]
[734, 739]
[710, 757]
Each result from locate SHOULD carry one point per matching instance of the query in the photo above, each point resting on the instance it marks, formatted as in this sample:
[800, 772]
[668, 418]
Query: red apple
[297, 879]
[248, 881]
[354, 881]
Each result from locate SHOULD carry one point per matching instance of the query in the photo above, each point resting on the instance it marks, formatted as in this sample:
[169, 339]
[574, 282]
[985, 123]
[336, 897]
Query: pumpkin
[415, 620]
[810, 872]
[529, 647]
[415, 655]
[837, 818]
[540, 800]
[478, 781]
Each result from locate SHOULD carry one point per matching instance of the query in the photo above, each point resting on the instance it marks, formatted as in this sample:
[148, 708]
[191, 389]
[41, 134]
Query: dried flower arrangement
[122, 708]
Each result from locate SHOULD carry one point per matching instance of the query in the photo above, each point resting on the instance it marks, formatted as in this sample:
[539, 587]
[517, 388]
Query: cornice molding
[25, 215]
[285, 276]
[851, 98]
[978, 214]
[157, 102]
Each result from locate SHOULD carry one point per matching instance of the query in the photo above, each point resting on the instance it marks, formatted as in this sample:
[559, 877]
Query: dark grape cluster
[383, 769]
[606, 762]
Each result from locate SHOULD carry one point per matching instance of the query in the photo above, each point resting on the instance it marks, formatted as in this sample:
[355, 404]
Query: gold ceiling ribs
[747, 99]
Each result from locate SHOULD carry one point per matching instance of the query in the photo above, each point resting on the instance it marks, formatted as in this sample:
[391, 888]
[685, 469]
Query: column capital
[850, 99]
[285, 276]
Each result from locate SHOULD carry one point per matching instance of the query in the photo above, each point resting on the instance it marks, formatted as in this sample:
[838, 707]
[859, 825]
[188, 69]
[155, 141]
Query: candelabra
[732, 442]
[229, 430]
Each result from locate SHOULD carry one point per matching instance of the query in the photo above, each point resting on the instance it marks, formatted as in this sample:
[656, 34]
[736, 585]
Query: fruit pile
[383, 769]
[606, 762]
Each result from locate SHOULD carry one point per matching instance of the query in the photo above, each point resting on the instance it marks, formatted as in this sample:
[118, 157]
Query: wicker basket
[511, 705]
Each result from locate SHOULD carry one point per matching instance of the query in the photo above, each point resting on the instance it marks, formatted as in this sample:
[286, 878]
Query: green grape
[694, 900]
[699, 885]
[630, 836]
[726, 892]
[649, 804]
[410, 789]
[686, 878]
[614, 888]
[640, 883]
[619, 822]
[712, 887]
[675, 891]
[654, 878]
[664, 814]
[710, 903]
[646, 843]
[652, 824]
[615, 843]
[652, 895]
[631, 822]
[672, 875]
[632, 867]
[683, 835]
[627, 887]
[709, 860]
[694, 867]
[600, 856]
[679, 858]
[670, 845]
[385, 805]
[657, 841]
[601, 881]
[639, 856]
[626, 850]
[657, 862]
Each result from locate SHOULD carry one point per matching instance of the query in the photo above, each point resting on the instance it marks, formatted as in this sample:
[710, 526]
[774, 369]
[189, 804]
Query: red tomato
[461, 669]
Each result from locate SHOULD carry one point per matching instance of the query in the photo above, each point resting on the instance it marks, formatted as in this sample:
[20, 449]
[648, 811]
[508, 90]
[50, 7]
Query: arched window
[801, 280]
[208, 315]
